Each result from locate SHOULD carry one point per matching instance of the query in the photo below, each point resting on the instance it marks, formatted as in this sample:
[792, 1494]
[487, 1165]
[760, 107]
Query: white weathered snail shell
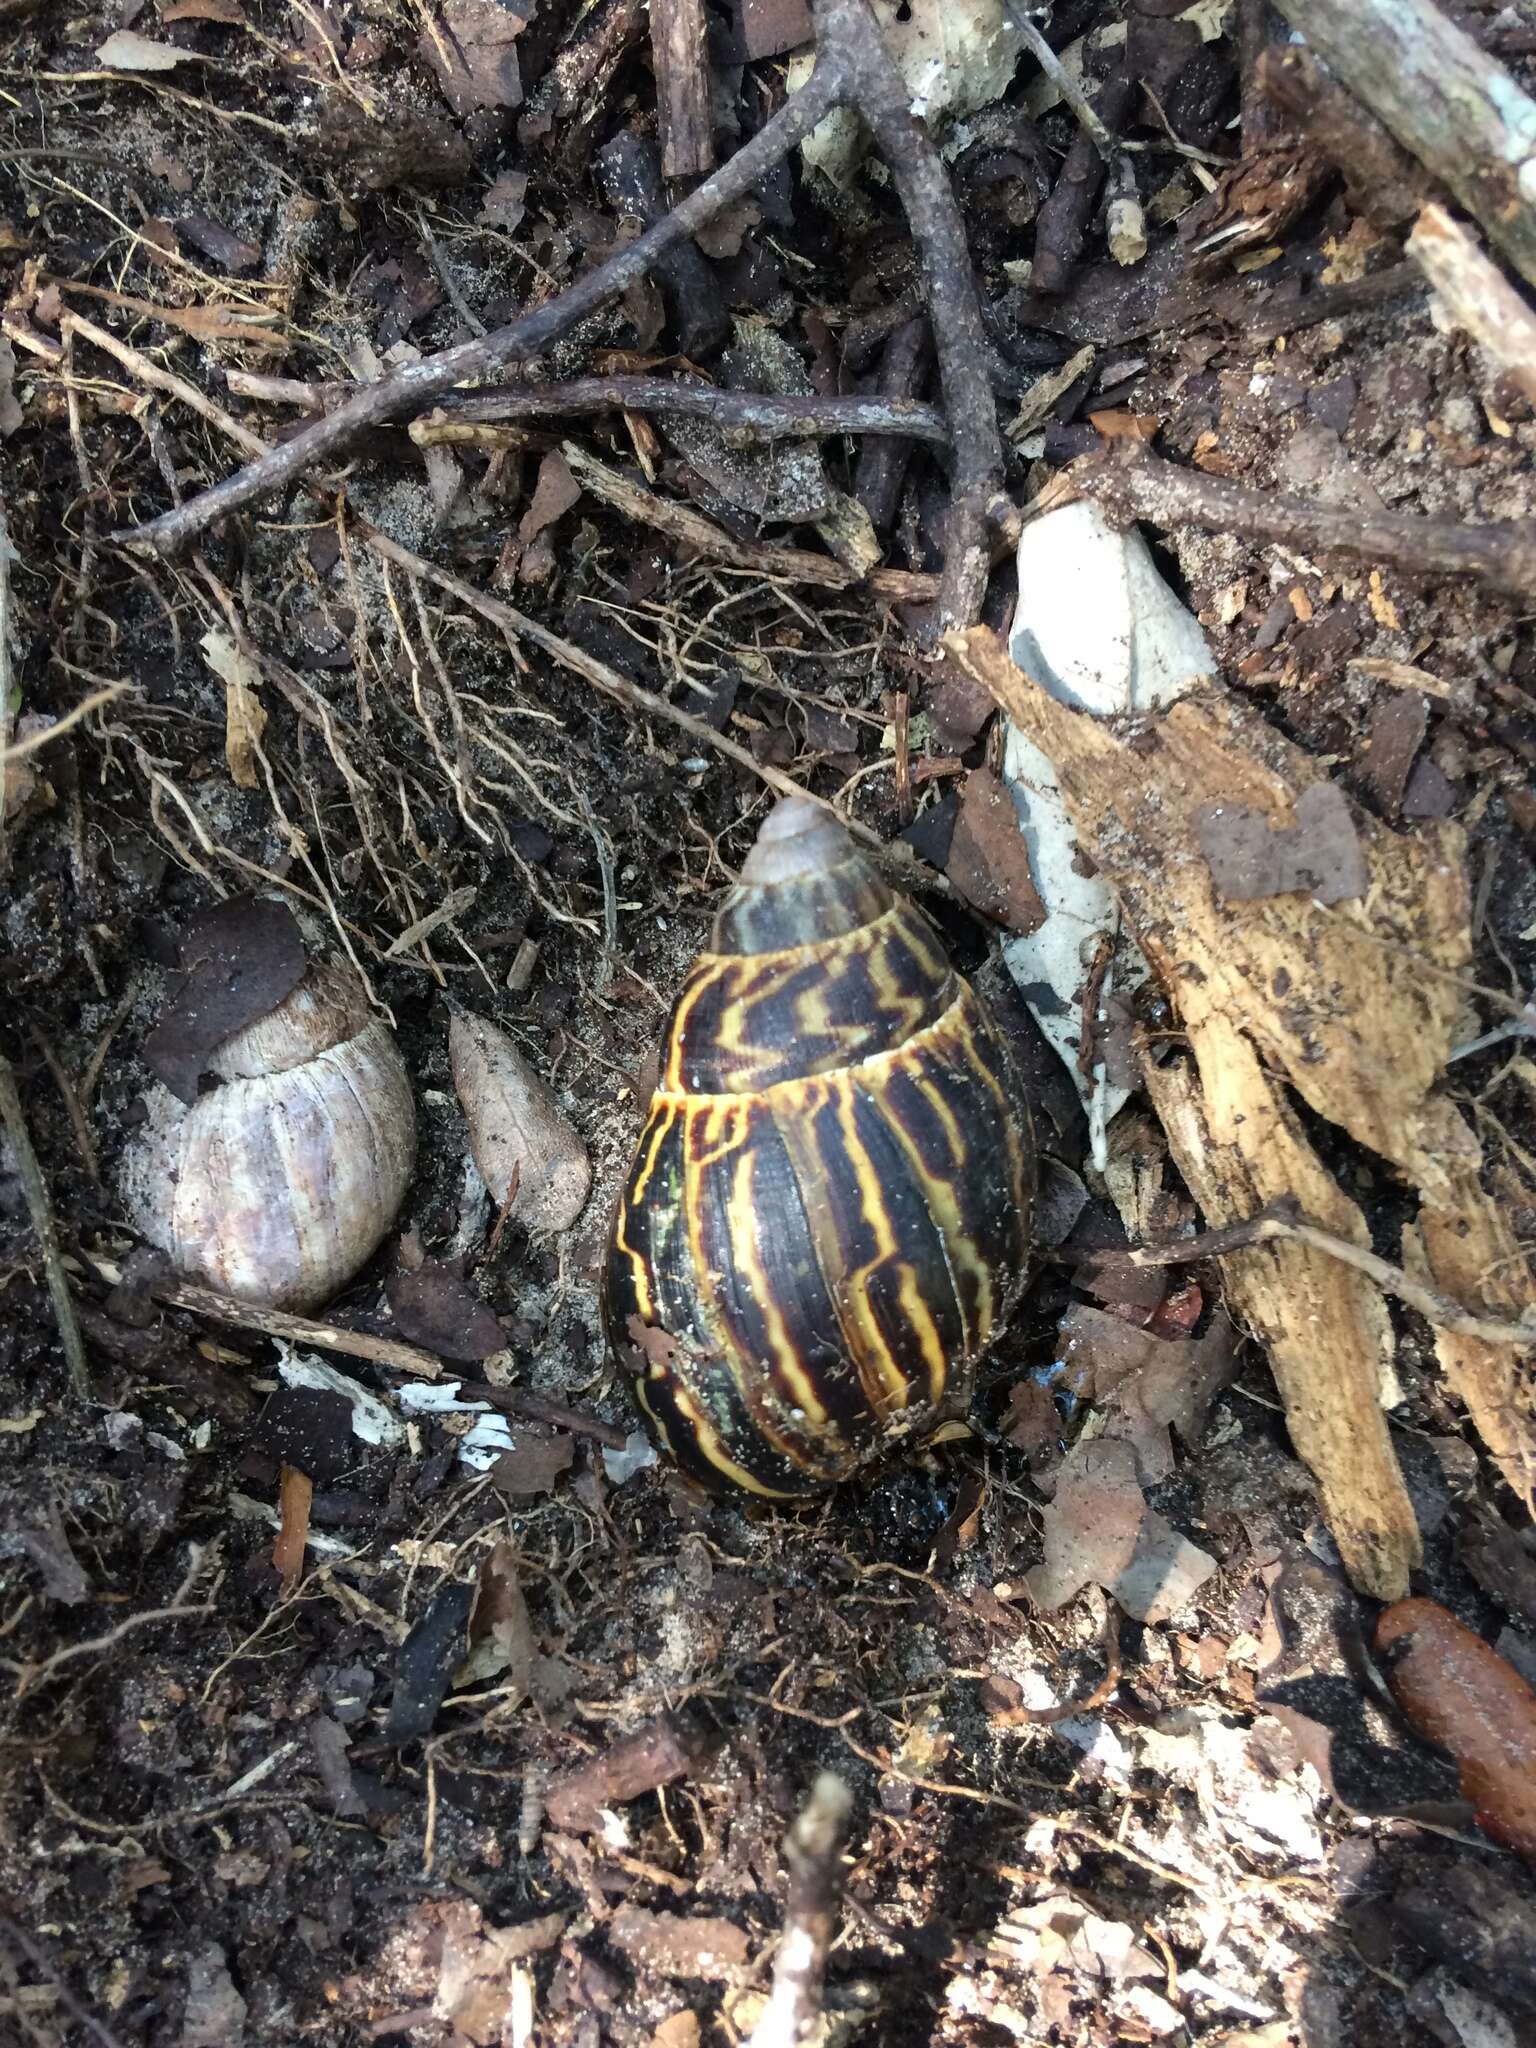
[277, 1185]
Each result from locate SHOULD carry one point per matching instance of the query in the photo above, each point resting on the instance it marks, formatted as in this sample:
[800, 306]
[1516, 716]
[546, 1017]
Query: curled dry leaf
[1459, 1693]
[517, 1127]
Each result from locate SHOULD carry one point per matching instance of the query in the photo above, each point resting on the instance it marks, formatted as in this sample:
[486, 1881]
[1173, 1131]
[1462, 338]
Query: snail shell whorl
[277, 1185]
[828, 1212]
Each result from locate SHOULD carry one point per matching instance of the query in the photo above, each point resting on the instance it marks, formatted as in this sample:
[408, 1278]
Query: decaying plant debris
[458, 464]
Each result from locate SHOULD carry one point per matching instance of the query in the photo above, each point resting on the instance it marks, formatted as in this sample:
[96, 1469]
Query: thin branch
[853, 68]
[410, 389]
[96, 701]
[1133, 485]
[1070, 88]
[271, 1322]
[1281, 1220]
[30, 1675]
[813, 1854]
[882, 96]
[150, 373]
[757, 415]
[40, 1208]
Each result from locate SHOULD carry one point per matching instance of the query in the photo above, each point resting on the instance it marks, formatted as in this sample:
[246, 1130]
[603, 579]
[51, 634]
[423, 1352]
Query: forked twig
[852, 69]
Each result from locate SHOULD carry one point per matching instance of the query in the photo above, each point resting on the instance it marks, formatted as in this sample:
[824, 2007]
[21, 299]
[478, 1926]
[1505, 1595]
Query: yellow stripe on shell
[873, 1211]
[664, 1116]
[798, 1386]
[705, 1438]
[758, 978]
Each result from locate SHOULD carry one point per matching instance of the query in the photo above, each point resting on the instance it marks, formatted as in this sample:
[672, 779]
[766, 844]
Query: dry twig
[40, 1209]
[1284, 1220]
[853, 68]
[813, 1854]
[754, 415]
[271, 1322]
[1131, 484]
[683, 96]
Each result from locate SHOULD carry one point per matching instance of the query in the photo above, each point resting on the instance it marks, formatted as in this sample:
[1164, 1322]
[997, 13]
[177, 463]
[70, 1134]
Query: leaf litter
[415, 739]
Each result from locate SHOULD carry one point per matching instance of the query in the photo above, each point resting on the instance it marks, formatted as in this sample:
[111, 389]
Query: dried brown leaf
[516, 1126]
[988, 858]
[1099, 1531]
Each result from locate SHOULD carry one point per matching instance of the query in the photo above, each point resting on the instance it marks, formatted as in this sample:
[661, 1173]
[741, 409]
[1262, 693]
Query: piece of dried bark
[1357, 1011]
[658, 1753]
[678, 1946]
[516, 1127]
[211, 239]
[533, 1465]
[1251, 856]
[553, 496]
[472, 47]
[436, 1307]
[988, 859]
[296, 1491]
[240, 959]
[770, 27]
[426, 1663]
[1148, 1385]
[1398, 722]
[476, 1961]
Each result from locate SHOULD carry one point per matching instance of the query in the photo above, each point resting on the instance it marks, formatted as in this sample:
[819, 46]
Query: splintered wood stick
[1476, 294]
[1455, 107]
[680, 55]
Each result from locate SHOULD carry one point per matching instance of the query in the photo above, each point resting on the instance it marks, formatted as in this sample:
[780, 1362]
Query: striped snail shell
[827, 1217]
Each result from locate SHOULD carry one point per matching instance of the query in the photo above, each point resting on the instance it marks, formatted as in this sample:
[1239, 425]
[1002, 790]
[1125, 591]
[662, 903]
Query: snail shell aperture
[827, 1217]
[277, 1185]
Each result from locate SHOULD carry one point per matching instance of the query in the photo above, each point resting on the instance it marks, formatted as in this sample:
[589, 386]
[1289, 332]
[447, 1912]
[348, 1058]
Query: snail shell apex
[827, 1217]
[280, 1183]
